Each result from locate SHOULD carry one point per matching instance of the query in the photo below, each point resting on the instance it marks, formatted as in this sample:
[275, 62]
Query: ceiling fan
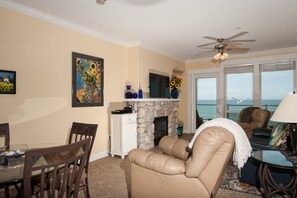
[224, 45]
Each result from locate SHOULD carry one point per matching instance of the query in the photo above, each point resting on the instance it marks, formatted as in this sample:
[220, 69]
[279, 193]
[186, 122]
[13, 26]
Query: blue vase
[128, 93]
[174, 93]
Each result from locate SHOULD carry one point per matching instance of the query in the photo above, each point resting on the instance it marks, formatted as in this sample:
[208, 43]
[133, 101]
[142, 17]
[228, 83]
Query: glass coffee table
[270, 160]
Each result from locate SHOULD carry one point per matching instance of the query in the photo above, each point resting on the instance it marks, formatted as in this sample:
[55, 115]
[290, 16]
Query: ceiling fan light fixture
[221, 56]
[217, 56]
[224, 56]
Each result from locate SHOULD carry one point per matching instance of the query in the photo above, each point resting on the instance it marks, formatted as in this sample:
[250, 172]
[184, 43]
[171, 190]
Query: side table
[275, 160]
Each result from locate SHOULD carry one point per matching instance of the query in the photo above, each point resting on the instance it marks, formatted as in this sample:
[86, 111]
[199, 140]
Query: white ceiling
[174, 27]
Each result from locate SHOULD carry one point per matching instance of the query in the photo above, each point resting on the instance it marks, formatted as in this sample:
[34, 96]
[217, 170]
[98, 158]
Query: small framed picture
[7, 82]
[87, 80]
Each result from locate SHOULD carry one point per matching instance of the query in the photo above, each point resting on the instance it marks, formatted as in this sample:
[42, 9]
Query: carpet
[230, 181]
[110, 177]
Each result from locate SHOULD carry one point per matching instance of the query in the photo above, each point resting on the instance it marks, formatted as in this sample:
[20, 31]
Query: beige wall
[152, 61]
[40, 53]
[141, 61]
[133, 66]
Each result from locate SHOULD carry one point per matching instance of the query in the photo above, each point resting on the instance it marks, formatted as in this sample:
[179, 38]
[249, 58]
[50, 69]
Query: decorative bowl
[13, 151]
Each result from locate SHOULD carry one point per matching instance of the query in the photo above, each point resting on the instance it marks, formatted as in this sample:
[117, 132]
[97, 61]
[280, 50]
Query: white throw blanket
[243, 147]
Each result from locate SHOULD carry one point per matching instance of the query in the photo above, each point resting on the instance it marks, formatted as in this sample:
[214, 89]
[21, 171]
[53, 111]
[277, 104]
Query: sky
[275, 85]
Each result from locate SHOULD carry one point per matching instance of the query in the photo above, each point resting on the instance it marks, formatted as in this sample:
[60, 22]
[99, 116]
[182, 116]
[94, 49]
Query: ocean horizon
[207, 108]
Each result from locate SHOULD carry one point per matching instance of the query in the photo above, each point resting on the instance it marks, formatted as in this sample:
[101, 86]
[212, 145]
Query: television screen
[159, 86]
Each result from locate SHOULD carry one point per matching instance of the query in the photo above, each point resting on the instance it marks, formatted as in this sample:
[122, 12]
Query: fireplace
[161, 128]
[147, 110]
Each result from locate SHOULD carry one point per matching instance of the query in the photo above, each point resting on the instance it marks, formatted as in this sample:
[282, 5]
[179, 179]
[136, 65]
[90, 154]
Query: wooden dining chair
[56, 170]
[80, 131]
[5, 134]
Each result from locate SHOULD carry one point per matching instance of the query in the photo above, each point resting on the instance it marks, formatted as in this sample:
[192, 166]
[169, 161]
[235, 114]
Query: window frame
[256, 62]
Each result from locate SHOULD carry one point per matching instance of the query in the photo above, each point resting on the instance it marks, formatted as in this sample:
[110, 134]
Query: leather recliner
[251, 118]
[178, 173]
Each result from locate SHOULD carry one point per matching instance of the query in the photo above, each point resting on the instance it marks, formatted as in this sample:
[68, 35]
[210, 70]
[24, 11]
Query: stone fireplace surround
[149, 108]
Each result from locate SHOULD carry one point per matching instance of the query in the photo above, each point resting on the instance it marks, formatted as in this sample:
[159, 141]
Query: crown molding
[252, 54]
[61, 22]
[161, 52]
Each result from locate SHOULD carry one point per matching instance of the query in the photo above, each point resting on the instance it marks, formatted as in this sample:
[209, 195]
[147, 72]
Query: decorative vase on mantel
[174, 93]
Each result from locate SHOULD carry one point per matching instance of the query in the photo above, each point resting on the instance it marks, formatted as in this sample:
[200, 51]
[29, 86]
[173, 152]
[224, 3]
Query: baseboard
[100, 155]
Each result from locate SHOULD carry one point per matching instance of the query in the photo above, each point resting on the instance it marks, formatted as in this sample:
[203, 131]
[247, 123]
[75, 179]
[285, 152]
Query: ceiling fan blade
[232, 45]
[101, 2]
[237, 52]
[211, 38]
[247, 40]
[236, 35]
[204, 53]
[239, 49]
[207, 44]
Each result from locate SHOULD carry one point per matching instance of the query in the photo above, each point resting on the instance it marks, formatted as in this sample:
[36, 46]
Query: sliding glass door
[225, 91]
[206, 101]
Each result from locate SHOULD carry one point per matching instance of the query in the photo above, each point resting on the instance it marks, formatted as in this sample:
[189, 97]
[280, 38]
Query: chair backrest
[211, 152]
[255, 115]
[199, 120]
[56, 170]
[4, 132]
[80, 131]
[260, 118]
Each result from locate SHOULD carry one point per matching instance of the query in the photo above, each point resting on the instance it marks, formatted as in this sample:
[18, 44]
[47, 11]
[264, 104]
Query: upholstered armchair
[178, 173]
[251, 118]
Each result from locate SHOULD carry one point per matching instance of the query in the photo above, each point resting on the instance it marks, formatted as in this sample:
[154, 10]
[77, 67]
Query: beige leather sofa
[251, 118]
[175, 173]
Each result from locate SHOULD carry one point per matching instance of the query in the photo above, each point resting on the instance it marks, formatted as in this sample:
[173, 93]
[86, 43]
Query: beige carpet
[109, 178]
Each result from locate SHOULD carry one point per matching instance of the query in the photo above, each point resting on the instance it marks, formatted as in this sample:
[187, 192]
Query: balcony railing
[208, 111]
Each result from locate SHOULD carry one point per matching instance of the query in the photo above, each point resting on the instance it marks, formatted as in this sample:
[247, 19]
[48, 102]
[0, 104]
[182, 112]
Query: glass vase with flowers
[175, 84]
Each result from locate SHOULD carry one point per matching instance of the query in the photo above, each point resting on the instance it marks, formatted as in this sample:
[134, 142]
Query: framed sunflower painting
[87, 80]
[7, 82]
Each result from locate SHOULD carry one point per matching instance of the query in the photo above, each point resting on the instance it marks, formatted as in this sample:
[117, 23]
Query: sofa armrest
[157, 162]
[262, 132]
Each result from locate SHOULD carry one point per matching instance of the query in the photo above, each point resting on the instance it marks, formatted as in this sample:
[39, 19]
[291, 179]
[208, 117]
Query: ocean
[207, 108]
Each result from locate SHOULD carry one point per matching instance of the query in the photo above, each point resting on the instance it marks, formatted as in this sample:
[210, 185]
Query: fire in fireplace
[161, 128]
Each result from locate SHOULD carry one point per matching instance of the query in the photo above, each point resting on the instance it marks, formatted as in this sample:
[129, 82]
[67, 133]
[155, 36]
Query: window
[239, 90]
[259, 83]
[277, 80]
[206, 97]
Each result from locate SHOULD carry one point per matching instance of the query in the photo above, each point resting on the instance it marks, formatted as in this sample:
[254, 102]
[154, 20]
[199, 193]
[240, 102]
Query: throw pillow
[282, 142]
[277, 133]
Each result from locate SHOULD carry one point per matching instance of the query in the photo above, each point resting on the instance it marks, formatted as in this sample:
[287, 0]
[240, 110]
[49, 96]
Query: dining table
[12, 165]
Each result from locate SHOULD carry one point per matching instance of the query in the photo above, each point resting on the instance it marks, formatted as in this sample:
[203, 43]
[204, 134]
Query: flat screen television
[159, 86]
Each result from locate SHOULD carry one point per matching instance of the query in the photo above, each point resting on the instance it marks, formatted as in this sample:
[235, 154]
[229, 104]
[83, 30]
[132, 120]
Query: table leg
[270, 187]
